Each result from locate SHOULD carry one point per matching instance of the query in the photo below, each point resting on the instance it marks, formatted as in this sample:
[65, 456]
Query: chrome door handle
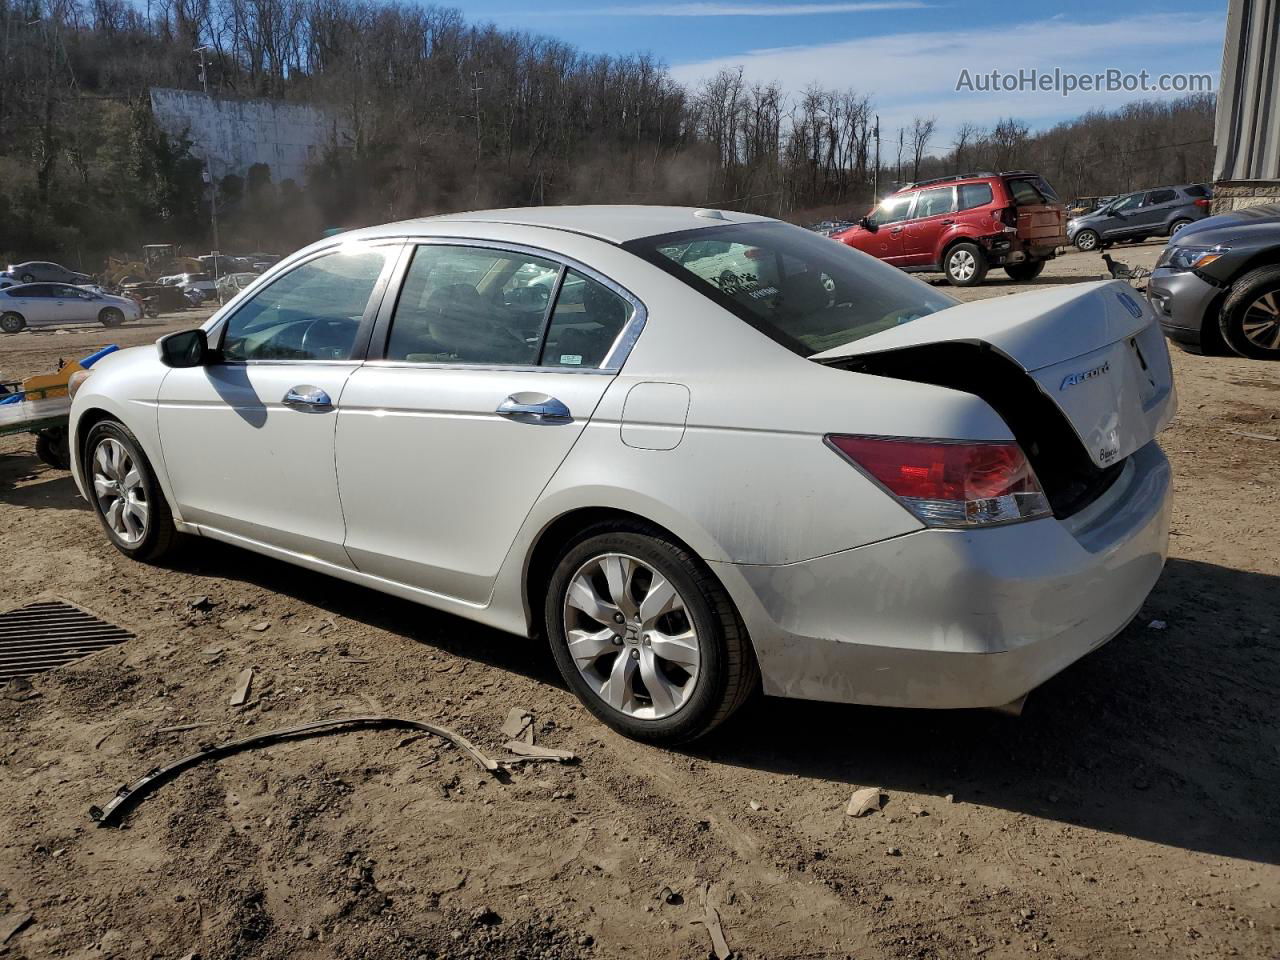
[534, 406]
[307, 397]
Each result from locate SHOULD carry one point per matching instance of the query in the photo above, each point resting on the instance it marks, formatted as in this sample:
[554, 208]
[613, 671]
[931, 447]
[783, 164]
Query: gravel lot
[1130, 812]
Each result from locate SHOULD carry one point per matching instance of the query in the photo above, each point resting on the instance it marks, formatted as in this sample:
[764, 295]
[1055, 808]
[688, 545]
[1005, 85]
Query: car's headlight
[1189, 257]
[75, 380]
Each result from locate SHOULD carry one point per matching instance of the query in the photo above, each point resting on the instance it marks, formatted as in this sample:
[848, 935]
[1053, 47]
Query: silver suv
[1133, 217]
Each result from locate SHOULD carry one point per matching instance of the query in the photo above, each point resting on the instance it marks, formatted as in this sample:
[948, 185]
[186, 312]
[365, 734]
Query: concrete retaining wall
[235, 134]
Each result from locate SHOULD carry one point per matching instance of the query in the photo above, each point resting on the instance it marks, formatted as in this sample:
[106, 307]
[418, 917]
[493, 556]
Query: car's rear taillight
[951, 484]
[1203, 202]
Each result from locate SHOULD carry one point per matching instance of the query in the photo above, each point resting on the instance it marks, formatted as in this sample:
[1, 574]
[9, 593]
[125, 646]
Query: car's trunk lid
[1093, 351]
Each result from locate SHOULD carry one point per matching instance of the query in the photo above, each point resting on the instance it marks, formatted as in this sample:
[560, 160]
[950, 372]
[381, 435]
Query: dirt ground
[1130, 812]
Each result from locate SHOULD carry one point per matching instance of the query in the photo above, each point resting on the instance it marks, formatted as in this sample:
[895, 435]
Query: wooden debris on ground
[243, 682]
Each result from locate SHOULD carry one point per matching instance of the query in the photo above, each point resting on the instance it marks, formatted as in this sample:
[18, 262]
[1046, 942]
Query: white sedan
[832, 483]
[54, 304]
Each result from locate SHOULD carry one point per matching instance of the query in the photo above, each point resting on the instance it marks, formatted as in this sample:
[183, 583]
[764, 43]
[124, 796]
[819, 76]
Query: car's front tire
[1250, 318]
[12, 322]
[125, 494]
[1025, 271]
[965, 265]
[111, 317]
[1087, 240]
[645, 635]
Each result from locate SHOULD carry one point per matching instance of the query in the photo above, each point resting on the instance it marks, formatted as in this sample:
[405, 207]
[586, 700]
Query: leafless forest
[444, 114]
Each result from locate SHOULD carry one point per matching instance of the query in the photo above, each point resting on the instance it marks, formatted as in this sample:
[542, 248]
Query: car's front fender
[122, 386]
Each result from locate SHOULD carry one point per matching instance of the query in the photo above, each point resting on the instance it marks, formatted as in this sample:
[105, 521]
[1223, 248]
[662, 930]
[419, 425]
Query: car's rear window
[804, 291]
[1196, 190]
[1030, 193]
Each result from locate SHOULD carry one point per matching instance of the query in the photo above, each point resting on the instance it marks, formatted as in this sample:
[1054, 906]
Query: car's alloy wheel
[117, 486]
[28, 278]
[125, 493]
[1250, 319]
[1261, 324]
[111, 317]
[1177, 225]
[12, 322]
[965, 265]
[630, 636]
[1087, 240]
[645, 635]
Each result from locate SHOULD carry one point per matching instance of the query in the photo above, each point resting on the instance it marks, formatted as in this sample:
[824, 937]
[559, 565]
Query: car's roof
[616, 223]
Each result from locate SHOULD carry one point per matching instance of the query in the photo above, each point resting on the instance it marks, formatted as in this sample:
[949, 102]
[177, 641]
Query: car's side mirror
[187, 348]
[866, 223]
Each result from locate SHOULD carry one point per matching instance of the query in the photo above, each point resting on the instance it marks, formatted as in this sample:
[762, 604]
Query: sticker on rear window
[573, 359]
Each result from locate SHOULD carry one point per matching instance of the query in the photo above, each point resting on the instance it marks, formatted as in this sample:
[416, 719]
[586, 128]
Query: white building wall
[235, 134]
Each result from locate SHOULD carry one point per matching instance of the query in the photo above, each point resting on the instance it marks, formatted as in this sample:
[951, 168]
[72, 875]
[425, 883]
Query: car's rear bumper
[1182, 301]
[953, 619]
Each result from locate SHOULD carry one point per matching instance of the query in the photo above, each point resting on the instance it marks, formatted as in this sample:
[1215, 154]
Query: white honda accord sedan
[820, 478]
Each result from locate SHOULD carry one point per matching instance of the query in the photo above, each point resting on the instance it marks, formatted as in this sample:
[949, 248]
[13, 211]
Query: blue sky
[907, 54]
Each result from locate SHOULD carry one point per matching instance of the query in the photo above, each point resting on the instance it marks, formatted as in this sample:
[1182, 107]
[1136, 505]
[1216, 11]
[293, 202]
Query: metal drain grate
[42, 636]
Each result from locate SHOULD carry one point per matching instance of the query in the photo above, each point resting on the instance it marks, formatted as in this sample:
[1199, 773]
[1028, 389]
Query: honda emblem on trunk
[1071, 379]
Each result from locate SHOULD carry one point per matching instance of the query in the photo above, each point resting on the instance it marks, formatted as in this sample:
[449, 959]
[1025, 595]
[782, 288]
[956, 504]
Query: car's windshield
[806, 292]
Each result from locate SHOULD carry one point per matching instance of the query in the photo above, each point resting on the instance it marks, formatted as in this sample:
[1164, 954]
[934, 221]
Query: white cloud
[915, 74]
[746, 9]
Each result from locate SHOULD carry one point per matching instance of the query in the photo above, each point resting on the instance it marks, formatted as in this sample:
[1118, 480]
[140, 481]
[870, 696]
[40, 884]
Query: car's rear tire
[1024, 271]
[125, 494]
[1176, 226]
[1250, 318]
[965, 265]
[12, 322]
[1087, 240]
[111, 317]
[645, 635]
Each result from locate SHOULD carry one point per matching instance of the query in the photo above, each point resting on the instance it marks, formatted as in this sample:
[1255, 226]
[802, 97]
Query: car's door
[248, 440]
[478, 384]
[934, 212]
[888, 239]
[76, 304]
[37, 304]
[1157, 206]
[1121, 216]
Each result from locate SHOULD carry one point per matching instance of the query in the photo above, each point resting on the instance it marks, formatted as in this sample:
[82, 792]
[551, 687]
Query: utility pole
[475, 89]
[875, 177]
[208, 174]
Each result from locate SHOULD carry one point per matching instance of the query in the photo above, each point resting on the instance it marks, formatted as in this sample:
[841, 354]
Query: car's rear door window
[585, 324]
[802, 290]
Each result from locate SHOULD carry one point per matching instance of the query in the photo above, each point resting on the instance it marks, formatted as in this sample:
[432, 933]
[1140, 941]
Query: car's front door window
[311, 313]
[892, 210]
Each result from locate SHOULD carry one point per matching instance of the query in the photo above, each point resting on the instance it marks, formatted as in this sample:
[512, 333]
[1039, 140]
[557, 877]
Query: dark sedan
[1218, 283]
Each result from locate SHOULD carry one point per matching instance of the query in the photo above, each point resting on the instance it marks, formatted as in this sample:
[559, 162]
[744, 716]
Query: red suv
[965, 225]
